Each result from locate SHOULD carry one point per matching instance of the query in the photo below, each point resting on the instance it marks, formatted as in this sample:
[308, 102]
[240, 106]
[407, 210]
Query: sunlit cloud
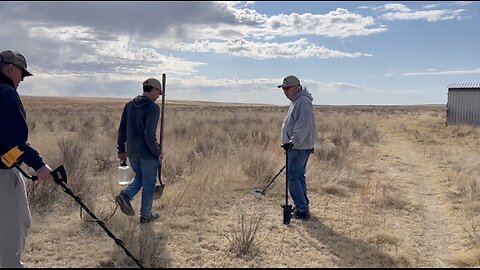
[265, 50]
[445, 72]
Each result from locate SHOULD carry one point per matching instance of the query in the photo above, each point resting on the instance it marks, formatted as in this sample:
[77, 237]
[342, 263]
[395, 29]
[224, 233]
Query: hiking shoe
[152, 217]
[302, 215]
[124, 204]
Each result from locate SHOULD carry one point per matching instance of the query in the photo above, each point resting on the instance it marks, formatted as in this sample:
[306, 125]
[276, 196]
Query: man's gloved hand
[287, 146]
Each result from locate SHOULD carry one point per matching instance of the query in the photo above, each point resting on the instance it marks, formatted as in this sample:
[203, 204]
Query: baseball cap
[17, 59]
[290, 81]
[153, 83]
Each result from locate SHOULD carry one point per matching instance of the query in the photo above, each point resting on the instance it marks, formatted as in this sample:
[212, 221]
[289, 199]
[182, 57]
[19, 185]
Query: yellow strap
[11, 156]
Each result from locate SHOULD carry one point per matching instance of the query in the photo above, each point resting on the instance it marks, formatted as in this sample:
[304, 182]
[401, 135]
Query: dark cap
[290, 81]
[153, 83]
[16, 58]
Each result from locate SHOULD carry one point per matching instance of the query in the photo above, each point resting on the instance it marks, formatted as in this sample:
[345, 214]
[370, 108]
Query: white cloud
[119, 56]
[396, 7]
[429, 15]
[339, 23]
[263, 50]
[456, 3]
[402, 12]
[445, 72]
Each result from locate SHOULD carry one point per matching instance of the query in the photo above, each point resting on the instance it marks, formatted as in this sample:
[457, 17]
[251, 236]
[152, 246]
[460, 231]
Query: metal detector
[287, 209]
[159, 186]
[260, 191]
[60, 177]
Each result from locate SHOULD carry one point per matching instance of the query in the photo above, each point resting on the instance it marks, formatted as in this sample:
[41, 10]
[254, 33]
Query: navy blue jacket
[13, 125]
[137, 129]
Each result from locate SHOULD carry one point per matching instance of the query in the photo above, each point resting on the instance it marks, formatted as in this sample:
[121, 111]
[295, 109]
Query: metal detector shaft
[263, 191]
[101, 223]
[60, 177]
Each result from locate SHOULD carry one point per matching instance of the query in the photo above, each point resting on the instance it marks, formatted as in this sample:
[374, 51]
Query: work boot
[302, 215]
[152, 217]
[124, 203]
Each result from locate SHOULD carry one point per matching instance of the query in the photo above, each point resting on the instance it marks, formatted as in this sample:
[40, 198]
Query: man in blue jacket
[137, 129]
[298, 137]
[15, 215]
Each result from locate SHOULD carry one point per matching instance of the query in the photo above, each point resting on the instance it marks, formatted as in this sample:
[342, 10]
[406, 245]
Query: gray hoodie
[137, 129]
[299, 124]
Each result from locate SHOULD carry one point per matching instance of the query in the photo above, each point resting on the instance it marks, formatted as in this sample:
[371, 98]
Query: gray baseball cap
[153, 83]
[17, 59]
[290, 81]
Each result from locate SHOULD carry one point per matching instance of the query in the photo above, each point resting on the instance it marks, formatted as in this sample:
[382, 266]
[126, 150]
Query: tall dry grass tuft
[244, 238]
[330, 153]
[72, 152]
[257, 166]
[366, 133]
[141, 240]
[102, 158]
[40, 195]
[470, 258]
[473, 234]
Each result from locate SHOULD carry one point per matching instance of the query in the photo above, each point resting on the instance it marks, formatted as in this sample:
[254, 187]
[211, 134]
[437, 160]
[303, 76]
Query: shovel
[159, 186]
[287, 208]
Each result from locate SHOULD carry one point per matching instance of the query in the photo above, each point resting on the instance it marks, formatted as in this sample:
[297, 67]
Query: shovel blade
[158, 191]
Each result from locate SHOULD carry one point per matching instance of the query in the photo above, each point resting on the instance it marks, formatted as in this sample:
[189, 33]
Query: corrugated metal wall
[463, 106]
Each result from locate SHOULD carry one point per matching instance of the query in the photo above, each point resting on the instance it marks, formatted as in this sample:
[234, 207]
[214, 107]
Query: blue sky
[344, 53]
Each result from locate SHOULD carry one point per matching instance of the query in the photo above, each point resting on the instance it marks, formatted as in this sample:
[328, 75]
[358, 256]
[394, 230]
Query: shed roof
[463, 85]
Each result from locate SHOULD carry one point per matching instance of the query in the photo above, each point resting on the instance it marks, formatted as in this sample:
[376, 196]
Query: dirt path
[431, 231]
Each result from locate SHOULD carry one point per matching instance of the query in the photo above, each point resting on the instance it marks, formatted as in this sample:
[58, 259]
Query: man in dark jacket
[15, 215]
[137, 129]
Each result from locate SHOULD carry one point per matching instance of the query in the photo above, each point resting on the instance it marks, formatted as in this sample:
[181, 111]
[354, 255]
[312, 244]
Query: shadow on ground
[347, 252]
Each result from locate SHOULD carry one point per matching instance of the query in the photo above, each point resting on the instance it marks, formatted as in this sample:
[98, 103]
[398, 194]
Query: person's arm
[303, 120]
[15, 130]
[122, 135]
[150, 129]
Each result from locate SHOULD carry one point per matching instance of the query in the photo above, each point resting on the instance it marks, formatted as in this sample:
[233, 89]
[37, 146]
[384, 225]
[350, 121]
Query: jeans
[15, 218]
[145, 176]
[297, 163]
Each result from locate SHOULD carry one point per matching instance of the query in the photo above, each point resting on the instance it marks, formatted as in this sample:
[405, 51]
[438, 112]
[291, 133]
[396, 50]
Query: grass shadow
[348, 252]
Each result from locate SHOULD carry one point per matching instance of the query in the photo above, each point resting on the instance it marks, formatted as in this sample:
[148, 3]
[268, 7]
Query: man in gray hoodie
[137, 129]
[299, 138]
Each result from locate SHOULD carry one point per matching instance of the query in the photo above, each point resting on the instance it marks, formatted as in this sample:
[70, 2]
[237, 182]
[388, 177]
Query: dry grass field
[388, 187]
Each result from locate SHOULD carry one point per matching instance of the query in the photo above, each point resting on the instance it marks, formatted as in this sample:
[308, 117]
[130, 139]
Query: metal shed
[463, 105]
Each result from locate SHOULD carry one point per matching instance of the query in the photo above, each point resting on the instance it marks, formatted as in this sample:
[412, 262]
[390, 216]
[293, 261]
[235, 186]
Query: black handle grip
[59, 175]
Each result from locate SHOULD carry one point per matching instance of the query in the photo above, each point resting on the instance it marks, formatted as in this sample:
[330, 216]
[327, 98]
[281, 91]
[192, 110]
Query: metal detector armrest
[11, 157]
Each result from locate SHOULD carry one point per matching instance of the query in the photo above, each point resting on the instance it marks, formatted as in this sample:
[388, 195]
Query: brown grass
[365, 211]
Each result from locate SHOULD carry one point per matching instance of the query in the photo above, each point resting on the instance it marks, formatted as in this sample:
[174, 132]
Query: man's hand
[287, 146]
[122, 157]
[43, 173]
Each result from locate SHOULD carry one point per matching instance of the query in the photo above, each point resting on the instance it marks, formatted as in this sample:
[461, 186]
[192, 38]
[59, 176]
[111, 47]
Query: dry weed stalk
[473, 234]
[244, 238]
